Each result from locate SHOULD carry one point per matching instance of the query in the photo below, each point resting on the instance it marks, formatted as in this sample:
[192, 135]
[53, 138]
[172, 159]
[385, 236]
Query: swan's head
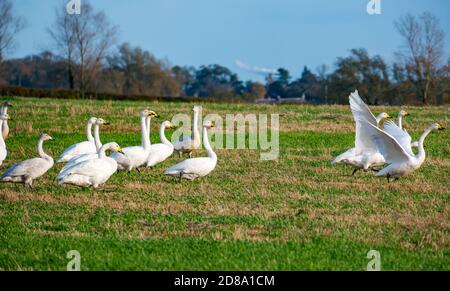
[115, 148]
[403, 113]
[149, 113]
[101, 121]
[208, 124]
[6, 104]
[5, 117]
[197, 109]
[437, 126]
[92, 120]
[383, 115]
[169, 125]
[46, 137]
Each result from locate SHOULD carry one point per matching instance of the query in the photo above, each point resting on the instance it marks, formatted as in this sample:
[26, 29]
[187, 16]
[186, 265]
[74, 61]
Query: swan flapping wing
[402, 136]
[361, 112]
[388, 146]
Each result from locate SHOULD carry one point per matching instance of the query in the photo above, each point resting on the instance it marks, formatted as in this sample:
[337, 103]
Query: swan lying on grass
[365, 154]
[196, 167]
[397, 151]
[98, 145]
[81, 148]
[27, 171]
[135, 157]
[161, 151]
[3, 152]
[93, 172]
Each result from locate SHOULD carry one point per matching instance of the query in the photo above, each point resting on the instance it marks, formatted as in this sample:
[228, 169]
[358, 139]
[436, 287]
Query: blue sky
[263, 33]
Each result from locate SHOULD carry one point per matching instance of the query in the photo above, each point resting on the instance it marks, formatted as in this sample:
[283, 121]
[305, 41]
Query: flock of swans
[87, 163]
[375, 147]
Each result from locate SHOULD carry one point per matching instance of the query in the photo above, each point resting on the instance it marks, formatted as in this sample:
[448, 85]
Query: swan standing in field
[161, 151]
[188, 144]
[397, 151]
[196, 167]
[135, 157]
[85, 147]
[3, 151]
[98, 145]
[5, 128]
[93, 172]
[27, 171]
[401, 115]
[365, 154]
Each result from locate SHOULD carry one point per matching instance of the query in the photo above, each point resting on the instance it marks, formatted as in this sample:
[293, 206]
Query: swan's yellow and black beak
[388, 116]
[152, 114]
[120, 151]
[106, 123]
[440, 127]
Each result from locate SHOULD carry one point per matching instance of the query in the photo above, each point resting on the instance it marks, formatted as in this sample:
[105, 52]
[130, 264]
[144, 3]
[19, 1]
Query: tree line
[86, 58]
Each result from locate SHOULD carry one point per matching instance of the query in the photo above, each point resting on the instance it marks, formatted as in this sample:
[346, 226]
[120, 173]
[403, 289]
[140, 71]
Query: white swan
[98, 145]
[196, 167]
[3, 151]
[401, 114]
[188, 144]
[161, 151]
[135, 157]
[93, 172]
[365, 154]
[85, 147]
[397, 152]
[27, 171]
[5, 128]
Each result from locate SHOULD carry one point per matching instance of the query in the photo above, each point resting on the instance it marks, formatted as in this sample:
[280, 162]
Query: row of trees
[87, 59]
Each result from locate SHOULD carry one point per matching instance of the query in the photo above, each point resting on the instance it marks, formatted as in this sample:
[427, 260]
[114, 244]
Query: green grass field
[297, 213]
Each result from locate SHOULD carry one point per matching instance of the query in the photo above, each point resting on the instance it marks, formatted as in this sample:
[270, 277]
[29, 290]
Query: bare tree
[423, 52]
[10, 25]
[86, 39]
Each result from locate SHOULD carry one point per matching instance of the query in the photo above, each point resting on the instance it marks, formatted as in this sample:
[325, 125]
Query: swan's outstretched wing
[360, 109]
[361, 112]
[388, 146]
[402, 136]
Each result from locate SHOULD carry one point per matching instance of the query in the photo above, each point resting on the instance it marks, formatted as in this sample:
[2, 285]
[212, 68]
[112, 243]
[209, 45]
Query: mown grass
[296, 213]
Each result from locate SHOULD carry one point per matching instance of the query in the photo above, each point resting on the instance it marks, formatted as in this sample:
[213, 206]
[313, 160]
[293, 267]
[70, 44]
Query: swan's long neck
[195, 132]
[145, 138]
[147, 125]
[2, 141]
[40, 150]
[102, 151]
[379, 119]
[162, 136]
[89, 132]
[211, 153]
[400, 119]
[421, 154]
[98, 143]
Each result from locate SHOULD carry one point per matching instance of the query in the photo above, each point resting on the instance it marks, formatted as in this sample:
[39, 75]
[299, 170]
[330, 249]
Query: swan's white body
[397, 151]
[188, 144]
[136, 156]
[27, 171]
[365, 154]
[93, 172]
[161, 151]
[98, 145]
[3, 151]
[85, 147]
[195, 167]
[5, 127]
